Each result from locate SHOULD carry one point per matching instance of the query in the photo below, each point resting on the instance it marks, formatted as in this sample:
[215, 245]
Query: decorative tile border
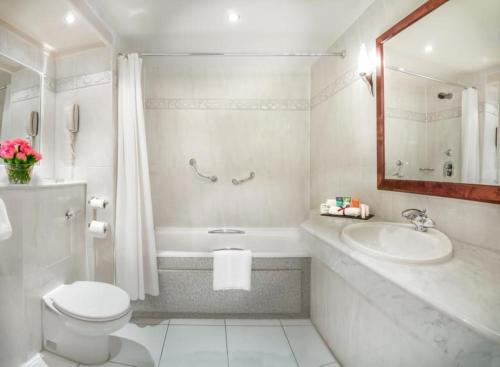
[25, 94]
[452, 113]
[405, 115]
[336, 86]
[227, 104]
[49, 84]
[83, 81]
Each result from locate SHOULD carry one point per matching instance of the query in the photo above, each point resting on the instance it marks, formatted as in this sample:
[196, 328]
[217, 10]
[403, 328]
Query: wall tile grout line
[164, 344]
[289, 344]
[227, 346]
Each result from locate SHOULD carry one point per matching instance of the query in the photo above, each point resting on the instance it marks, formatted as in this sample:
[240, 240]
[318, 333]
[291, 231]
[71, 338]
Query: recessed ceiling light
[233, 17]
[428, 49]
[69, 18]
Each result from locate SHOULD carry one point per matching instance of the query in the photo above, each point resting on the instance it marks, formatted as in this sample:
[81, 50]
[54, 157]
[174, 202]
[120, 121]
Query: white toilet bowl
[78, 318]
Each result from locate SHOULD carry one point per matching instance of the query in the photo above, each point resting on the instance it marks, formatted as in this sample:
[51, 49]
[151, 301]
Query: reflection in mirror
[442, 94]
[20, 101]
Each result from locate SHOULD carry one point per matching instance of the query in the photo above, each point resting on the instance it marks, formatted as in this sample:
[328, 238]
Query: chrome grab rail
[238, 182]
[192, 163]
[226, 231]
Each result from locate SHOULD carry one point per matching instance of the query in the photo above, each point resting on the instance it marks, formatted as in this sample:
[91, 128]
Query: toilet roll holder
[94, 209]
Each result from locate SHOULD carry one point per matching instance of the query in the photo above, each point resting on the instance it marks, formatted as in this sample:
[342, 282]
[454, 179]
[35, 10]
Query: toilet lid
[92, 301]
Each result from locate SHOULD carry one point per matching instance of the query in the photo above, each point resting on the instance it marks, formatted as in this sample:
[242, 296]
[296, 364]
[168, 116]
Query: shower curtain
[135, 247]
[470, 136]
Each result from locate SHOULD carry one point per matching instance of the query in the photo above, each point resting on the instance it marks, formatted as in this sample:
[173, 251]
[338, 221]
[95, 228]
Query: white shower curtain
[470, 136]
[135, 247]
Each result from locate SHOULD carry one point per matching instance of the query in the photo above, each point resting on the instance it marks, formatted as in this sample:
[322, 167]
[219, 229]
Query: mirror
[20, 102]
[438, 95]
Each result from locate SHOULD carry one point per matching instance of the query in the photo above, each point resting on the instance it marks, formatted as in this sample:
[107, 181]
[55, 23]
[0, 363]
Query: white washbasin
[399, 242]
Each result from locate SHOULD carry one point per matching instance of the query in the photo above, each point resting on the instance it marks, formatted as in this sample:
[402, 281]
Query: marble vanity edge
[455, 337]
[41, 185]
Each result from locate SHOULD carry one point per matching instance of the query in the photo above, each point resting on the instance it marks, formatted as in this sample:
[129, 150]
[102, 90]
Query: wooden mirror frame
[475, 192]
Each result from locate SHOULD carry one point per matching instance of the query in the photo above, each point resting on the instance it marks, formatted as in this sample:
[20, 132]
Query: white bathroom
[260, 183]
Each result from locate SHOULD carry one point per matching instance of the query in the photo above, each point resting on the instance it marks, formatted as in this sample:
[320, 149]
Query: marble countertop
[41, 184]
[467, 287]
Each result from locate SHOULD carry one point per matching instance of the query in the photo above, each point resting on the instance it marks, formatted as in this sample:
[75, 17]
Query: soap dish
[348, 216]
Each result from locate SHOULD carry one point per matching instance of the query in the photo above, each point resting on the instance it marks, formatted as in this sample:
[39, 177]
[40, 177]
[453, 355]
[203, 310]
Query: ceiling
[202, 25]
[42, 22]
[464, 35]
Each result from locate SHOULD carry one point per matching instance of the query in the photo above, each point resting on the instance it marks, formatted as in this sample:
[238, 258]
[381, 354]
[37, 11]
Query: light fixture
[69, 18]
[365, 68]
[233, 17]
[428, 49]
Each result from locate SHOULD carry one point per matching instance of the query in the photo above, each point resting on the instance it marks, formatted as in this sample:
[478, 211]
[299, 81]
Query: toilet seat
[91, 301]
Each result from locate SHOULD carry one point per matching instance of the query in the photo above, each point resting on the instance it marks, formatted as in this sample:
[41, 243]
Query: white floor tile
[138, 345]
[206, 322]
[195, 346]
[46, 359]
[251, 322]
[149, 321]
[295, 322]
[253, 346]
[308, 347]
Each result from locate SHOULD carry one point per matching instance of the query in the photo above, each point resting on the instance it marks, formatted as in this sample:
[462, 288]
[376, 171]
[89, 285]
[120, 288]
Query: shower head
[443, 95]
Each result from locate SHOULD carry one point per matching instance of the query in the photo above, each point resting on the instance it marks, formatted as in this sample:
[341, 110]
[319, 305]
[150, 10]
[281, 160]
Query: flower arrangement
[19, 157]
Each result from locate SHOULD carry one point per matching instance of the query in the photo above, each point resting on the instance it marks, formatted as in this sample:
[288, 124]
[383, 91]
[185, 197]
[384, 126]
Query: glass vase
[19, 173]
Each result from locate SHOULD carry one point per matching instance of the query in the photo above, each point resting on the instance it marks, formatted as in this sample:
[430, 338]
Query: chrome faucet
[419, 218]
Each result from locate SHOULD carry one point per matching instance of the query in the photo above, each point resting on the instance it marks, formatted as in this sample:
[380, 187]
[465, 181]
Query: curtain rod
[341, 54]
[401, 70]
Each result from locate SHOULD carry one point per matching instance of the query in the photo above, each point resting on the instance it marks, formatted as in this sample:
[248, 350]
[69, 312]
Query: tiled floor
[213, 343]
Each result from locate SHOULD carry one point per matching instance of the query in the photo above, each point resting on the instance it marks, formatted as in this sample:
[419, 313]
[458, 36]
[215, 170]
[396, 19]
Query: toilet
[79, 317]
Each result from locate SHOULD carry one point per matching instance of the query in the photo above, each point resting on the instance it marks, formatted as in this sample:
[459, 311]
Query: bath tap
[419, 218]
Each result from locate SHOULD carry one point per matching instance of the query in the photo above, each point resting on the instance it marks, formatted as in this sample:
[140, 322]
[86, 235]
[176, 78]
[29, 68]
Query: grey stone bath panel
[190, 291]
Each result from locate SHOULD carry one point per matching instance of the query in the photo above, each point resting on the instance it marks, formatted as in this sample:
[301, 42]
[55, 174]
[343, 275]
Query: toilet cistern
[419, 218]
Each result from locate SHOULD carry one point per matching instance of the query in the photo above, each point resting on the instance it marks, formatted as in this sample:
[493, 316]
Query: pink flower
[37, 156]
[7, 152]
[21, 156]
[21, 142]
[19, 148]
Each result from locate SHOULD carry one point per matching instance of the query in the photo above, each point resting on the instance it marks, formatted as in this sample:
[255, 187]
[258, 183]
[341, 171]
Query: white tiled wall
[343, 139]
[86, 79]
[44, 251]
[231, 123]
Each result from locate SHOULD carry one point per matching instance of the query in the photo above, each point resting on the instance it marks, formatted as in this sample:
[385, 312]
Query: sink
[399, 242]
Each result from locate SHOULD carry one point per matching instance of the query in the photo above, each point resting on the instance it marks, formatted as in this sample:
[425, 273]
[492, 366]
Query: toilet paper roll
[98, 229]
[98, 203]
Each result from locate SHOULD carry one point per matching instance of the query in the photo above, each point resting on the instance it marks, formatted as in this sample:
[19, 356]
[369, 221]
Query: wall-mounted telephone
[73, 126]
[32, 124]
[73, 119]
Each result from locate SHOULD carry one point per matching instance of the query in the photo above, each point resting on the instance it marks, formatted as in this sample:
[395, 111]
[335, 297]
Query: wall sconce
[365, 68]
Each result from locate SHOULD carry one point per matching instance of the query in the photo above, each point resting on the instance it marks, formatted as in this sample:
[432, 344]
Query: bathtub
[280, 275]
[263, 242]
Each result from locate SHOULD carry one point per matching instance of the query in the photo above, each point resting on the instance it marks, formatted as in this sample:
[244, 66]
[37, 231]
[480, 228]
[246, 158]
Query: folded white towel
[232, 269]
[5, 227]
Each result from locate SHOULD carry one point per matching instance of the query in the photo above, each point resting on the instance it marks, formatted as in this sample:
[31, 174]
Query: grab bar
[228, 248]
[237, 182]
[226, 231]
[192, 163]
